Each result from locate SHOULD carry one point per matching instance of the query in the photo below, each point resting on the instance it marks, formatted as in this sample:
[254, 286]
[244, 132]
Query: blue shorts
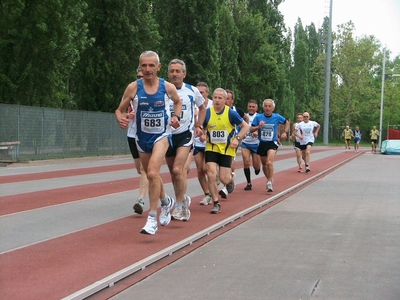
[147, 146]
[357, 140]
[252, 147]
[199, 149]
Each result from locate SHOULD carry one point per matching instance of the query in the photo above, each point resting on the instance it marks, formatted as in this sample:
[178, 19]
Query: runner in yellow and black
[347, 134]
[374, 134]
[222, 142]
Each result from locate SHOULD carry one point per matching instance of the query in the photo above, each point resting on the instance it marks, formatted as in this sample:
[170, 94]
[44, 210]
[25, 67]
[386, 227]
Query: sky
[378, 18]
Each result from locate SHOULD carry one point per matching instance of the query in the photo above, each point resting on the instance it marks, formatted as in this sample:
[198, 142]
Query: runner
[267, 126]
[153, 124]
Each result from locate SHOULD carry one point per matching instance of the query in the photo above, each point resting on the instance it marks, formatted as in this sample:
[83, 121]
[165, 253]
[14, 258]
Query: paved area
[338, 238]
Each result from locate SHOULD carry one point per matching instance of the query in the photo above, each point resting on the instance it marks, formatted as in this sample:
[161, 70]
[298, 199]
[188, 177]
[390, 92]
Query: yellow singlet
[220, 133]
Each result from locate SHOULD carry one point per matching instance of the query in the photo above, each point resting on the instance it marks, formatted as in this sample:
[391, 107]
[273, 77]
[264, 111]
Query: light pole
[382, 93]
[328, 78]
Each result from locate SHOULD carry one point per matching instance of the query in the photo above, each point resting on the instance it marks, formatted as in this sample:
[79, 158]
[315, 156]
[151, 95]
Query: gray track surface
[338, 238]
[30, 227]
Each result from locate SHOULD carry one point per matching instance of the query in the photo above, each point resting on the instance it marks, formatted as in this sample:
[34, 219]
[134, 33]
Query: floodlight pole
[382, 93]
[328, 77]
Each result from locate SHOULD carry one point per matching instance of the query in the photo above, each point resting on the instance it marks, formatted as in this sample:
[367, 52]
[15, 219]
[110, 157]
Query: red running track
[61, 266]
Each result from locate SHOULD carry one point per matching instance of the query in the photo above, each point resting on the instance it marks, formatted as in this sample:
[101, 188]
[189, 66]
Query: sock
[153, 213]
[247, 174]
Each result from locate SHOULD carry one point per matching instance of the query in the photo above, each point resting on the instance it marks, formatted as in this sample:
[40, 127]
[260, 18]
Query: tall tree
[227, 37]
[354, 63]
[120, 30]
[39, 46]
[188, 30]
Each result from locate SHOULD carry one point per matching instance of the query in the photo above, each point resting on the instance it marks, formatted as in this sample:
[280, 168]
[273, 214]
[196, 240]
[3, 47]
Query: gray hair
[149, 54]
[253, 101]
[223, 92]
[232, 93]
[201, 83]
[270, 100]
[178, 61]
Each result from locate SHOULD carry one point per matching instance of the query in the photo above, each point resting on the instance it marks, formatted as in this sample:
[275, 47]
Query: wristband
[175, 115]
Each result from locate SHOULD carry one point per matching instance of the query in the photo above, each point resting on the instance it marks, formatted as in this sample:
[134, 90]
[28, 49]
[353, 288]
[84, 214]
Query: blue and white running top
[131, 132]
[249, 139]
[190, 97]
[152, 116]
[197, 142]
[269, 132]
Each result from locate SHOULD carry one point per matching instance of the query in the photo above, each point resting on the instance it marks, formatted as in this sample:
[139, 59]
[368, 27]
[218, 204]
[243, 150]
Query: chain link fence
[46, 133]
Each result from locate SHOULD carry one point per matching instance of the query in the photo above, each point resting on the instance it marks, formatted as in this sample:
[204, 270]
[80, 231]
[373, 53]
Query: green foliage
[188, 30]
[40, 45]
[82, 54]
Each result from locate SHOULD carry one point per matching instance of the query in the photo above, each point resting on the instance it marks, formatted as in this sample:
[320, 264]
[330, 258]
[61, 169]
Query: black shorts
[184, 139]
[263, 147]
[304, 147]
[221, 160]
[297, 145]
[374, 141]
[133, 147]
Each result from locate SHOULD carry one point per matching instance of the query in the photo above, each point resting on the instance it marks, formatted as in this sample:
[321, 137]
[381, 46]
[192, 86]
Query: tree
[40, 45]
[188, 30]
[354, 64]
[121, 31]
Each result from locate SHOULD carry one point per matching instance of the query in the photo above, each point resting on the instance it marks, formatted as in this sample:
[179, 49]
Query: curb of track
[109, 281]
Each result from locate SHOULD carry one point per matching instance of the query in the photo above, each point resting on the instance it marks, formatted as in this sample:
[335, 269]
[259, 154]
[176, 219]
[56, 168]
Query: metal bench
[9, 151]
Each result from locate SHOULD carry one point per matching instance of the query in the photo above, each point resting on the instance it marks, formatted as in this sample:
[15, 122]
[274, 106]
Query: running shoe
[216, 209]
[223, 193]
[248, 187]
[185, 208]
[231, 185]
[308, 169]
[300, 170]
[165, 216]
[206, 200]
[269, 187]
[151, 226]
[138, 207]
[177, 213]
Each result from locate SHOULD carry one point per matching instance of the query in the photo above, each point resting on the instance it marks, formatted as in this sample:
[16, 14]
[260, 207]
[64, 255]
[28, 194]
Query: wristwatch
[238, 138]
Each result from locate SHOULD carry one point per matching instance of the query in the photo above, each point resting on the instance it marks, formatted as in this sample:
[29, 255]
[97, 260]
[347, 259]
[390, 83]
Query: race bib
[267, 133]
[307, 132]
[218, 136]
[152, 122]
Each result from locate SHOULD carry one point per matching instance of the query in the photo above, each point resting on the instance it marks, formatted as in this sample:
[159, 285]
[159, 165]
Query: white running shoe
[223, 193]
[177, 213]
[165, 215]
[206, 200]
[269, 187]
[185, 208]
[151, 226]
